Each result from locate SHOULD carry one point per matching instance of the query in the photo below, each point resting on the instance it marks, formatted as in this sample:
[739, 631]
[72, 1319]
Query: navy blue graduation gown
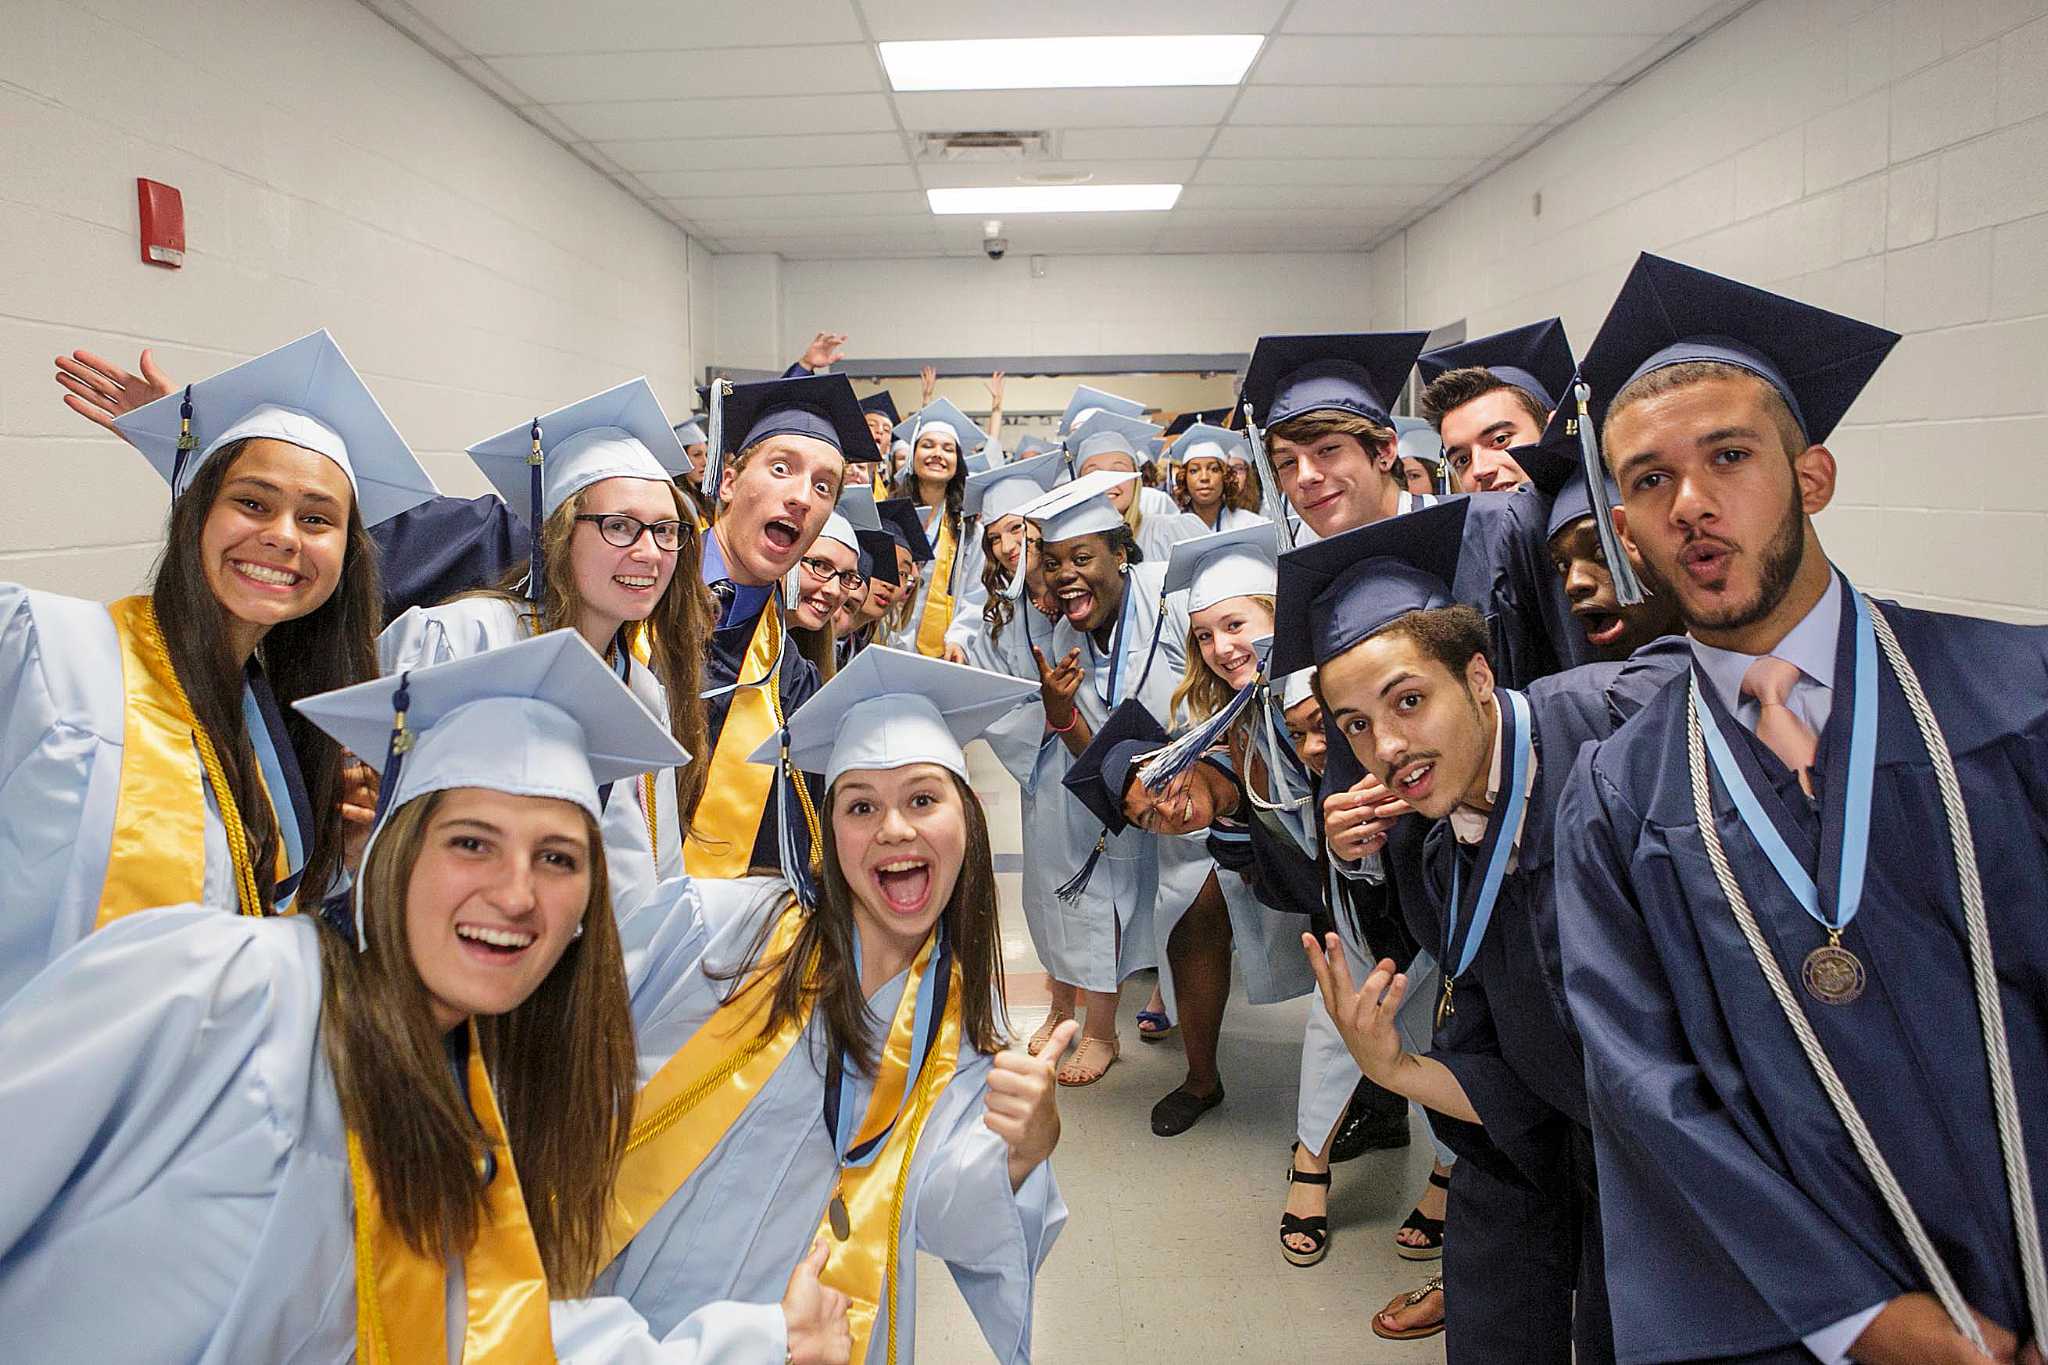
[1738, 1218]
[799, 679]
[445, 546]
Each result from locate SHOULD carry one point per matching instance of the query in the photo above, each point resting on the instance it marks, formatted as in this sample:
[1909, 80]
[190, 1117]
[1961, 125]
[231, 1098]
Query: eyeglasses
[822, 571]
[623, 531]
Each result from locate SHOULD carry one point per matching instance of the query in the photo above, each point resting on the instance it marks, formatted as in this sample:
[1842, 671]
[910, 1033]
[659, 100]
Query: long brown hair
[997, 608]
[678, 634]
[334, 645]
[561, 1065]
[1200, 690]
[820, 969]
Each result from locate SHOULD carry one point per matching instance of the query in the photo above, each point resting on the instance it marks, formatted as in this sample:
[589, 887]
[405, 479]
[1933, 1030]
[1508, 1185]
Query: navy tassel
[1183, 753]
[396, 750]
[1070, 890]
[795, 858]
[1628, 589]
[534, 461]
[187, 442]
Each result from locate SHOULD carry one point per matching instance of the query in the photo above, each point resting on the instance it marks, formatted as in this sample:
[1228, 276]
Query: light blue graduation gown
[63, 715]
[752, 1210]
[472, 625]
[177, 1183]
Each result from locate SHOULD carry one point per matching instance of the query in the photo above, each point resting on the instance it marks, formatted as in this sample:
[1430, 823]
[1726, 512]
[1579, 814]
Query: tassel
[1183, 753]
[1272, 506]
[796, 864]
[187, 442]
[1070, 890]
[1628, 589]
[534, 463]
[714, 440]
[396, 750]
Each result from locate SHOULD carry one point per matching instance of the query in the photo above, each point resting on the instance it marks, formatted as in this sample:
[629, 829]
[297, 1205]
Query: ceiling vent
[988, 145]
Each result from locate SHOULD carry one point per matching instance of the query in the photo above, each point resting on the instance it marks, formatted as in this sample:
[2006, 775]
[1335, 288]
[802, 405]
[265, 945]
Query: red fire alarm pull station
[163, 224]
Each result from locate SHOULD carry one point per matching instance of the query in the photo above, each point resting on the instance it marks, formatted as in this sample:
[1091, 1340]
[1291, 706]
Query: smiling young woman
[152, 756]
[336, 1121]
[855, 1044]
[616, 559]
[942, 438]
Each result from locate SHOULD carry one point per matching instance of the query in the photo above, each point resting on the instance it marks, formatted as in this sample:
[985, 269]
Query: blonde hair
[1200, 690]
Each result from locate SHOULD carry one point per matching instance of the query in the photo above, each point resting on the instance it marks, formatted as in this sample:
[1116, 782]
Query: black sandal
[1316, 1229]
[1431, 1228]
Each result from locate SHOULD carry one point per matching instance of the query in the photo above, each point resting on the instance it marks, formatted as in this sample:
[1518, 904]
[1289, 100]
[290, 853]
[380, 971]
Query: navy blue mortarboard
[884, 403]
[1537, 358]
[1572, 503]
[1668, 314]
[819, 405]
[1102, 772]
[1355, 372]
[1337, 592]
[899, 519]
[877, 555]
[1214, 417]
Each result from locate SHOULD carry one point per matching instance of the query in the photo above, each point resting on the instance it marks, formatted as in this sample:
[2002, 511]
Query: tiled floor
[1171, 1250]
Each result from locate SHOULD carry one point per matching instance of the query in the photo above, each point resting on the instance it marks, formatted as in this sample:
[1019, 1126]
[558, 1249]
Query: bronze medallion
[842, 1226]
[1833, 975]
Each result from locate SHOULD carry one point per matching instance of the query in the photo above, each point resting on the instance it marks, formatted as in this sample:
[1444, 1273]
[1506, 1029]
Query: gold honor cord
[938, 598]
[401, 1296]
[157, 855]
[720, 840]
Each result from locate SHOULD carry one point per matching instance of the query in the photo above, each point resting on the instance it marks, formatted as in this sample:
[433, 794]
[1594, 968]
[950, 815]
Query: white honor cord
[1991, 1018]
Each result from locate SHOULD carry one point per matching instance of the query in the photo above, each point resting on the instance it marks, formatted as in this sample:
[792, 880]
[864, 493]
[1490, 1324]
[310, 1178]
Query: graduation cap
[900, 520]
[838, 528]
[1573, 502]
[821, 406]
[885, 403]
[1418, 440]
[966, 435]
[305, 393]
[1214, 417]
[1086, 402]
[1222, 565]
[543, 717]
[857, 505]
[1079, 508]
[1356, 372]
[1102, 772]
[1032, 445]
[996, 493]
[890, 708]
[1337, 592]
[877, 556]
[1536, 358]
[1204, 441]
[1296, 688]
[691, 433]
[621, 433]
[1109, 433]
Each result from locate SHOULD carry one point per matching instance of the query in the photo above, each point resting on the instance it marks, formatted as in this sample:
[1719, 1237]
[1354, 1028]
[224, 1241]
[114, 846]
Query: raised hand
[1364, 1017]
[815, 1316]
[930, 379]
[825, 349]
[1023, 1109]
[99, 390]
[1057, 686]
[995, 391]
[358, 809]
[1356, 821]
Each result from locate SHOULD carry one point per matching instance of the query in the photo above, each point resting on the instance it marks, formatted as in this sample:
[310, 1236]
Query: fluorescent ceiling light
[1070, 63]
[998, 200]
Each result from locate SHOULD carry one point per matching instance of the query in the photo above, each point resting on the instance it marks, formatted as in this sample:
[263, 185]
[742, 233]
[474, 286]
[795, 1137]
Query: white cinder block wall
[1889, 160]
[335, 174]
[1085, 305]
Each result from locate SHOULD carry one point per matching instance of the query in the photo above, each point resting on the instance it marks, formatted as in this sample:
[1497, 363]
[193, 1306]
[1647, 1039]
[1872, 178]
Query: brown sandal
[1433, 1285]
[1045, 1031]
[1082, 1066]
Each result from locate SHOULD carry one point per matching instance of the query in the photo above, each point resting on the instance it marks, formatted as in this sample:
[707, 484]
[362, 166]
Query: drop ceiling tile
[803, 206]
[1377, 197]
[840, 68]
[765, 115]
[1474, 140]
[1494, 16]
[903, 19]
[946, 111]
[1398, 104]
[1463, 60]
[758, 153]
[1263, 240]
[943, 175]
[495, 27]
[1110, 144]
[1309, 217]
[720, 224]
[1432, 171]
[711, 185]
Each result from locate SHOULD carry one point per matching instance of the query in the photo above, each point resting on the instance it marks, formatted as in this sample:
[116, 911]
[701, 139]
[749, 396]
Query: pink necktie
[1769, 680]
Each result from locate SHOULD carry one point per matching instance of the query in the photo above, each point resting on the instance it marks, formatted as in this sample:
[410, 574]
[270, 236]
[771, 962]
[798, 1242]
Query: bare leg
[1198, 955]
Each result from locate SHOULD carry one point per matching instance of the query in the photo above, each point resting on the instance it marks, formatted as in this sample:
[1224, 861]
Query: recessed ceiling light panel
[1013, 199]
[1069, 63]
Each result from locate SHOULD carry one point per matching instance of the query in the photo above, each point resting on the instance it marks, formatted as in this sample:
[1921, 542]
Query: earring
[579, 932]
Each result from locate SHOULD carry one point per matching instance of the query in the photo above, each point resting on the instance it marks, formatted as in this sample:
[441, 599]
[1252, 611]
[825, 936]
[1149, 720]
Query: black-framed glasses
[822, 571]
[623, 531]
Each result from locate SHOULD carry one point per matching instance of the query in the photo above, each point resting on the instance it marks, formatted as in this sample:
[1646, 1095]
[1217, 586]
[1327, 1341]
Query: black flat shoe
[1182, 1110]
[1376, 1120]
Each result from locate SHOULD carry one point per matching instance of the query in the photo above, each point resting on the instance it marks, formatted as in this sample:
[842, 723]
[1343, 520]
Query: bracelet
[1062, 729]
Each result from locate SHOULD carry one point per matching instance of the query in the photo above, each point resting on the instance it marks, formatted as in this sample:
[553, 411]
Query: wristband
[1062, 729]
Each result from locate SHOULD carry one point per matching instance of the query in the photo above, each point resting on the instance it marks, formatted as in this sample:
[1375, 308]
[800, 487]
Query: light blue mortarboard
[1000, 491]
[1224, 564]
[857, 505]
[889, 708]
[1086, 402]
[621, 433]
[543, 717]
[966, 435]
[1203, 441]
[691, 433]
[1032, 445]
[1108, 433]
[1079, 508]
[305, 393]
